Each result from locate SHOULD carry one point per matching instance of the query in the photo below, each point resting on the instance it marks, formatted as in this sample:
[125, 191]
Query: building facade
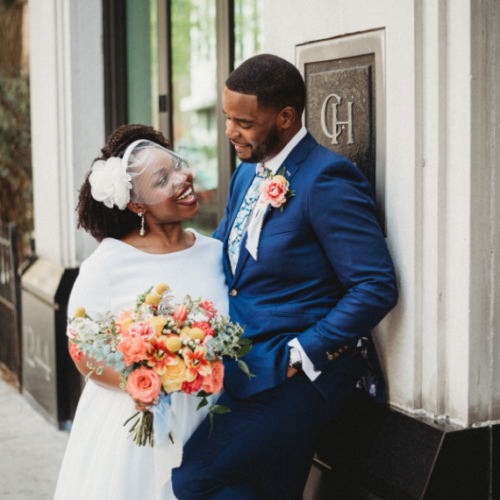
[409, 86]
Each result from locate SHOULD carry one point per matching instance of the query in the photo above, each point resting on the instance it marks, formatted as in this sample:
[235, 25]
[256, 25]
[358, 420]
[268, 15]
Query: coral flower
[209, 308]
[180, 314]
[213, 383]
[196, 362]
[274, 191]
[194, 386]
[75, 353]
[158, 356]
[142, 328]
[133, 348]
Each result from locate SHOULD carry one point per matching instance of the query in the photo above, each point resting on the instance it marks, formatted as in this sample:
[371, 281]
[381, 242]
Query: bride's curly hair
[94, 216]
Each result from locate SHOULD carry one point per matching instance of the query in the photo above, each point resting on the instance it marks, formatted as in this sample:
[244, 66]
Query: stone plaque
[345, 108]
[340, 111]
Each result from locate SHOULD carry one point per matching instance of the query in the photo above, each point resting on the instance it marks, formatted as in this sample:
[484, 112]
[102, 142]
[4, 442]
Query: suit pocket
[277, 226]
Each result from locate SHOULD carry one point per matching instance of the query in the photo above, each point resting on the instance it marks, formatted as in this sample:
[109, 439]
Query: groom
[307, 281]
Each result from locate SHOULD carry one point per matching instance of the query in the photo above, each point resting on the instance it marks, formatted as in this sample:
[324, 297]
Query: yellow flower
[174, 376]
[124, 324]
[80, 312]
[158, 322]
[153, 298]
[161, 288]
[173, 343]
[185, 333]
[197, 333]
[280, 178]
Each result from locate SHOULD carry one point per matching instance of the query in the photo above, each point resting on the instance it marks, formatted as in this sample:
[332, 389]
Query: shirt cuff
[307, 365]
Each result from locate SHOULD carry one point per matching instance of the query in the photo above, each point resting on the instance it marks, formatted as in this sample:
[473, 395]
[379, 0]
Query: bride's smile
[187, 196]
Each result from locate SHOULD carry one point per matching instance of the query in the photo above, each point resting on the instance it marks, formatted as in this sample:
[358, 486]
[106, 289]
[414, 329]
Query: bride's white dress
[101, 461]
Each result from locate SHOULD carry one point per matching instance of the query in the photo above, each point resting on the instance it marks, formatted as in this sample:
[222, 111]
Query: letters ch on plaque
[337, 126]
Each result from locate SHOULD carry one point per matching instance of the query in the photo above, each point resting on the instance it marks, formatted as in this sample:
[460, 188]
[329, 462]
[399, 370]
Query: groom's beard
[264, 148]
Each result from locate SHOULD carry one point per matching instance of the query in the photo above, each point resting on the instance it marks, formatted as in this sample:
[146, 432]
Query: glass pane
[248, 29]
[194, 96]
[248, 32]
[142, 62]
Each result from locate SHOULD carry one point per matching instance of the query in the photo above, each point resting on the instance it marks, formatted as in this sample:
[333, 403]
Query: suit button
[335, 354]
[233, 293]
[346, 347]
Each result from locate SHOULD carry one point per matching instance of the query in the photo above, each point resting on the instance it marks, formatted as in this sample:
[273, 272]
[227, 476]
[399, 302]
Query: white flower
[110, 183]
[86, 329]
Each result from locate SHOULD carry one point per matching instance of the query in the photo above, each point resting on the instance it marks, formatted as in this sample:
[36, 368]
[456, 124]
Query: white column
[67, 119]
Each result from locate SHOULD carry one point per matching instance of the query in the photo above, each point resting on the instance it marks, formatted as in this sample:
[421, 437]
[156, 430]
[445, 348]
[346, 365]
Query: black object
[52, 384]
[372, 452]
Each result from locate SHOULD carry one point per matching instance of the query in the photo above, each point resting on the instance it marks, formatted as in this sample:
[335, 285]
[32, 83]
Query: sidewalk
[31, 449]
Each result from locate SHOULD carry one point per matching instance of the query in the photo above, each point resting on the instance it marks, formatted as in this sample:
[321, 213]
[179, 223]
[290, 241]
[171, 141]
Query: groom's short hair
[276, 82]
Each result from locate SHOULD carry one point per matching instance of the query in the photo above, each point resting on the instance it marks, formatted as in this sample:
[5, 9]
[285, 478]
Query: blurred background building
[422, 79]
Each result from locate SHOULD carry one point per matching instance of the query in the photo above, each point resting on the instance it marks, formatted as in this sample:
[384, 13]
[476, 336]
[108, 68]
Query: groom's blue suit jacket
[323, 271]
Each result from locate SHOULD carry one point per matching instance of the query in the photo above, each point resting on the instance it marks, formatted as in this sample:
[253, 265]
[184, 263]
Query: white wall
[67, 119]
[439, 346]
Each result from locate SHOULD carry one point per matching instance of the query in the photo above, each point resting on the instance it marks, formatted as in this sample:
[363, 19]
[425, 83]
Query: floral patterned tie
[241, 221]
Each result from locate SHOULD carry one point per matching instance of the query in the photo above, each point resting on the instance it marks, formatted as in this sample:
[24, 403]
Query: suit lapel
[246, 182]
[291, 164]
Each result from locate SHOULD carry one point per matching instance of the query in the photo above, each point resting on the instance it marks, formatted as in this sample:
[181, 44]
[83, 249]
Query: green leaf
[99, 370]
[244, 368]
[219, 409]
[282, 207]
[243, 351]
[244, 341]
[120, 366]
[211, 417]
[203, 394]
[203, 402]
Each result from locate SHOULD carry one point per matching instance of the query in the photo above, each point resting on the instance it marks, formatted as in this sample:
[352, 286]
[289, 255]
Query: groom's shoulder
[321, 161]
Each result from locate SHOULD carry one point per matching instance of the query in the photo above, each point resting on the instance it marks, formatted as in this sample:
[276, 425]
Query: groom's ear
[287, 116]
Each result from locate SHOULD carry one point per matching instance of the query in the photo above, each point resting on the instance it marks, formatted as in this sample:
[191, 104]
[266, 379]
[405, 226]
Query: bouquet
[158, 348]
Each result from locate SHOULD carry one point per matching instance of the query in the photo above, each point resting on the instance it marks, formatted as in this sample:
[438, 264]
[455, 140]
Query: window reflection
[248, 29]
[194, 96]
[142, 62]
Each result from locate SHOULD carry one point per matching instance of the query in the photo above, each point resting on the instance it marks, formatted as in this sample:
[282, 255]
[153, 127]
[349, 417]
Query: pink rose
[274, 191]
[213, 381]
[144, 384]
[133, 348]
[142, 328]
[209, 308]
[180, 314]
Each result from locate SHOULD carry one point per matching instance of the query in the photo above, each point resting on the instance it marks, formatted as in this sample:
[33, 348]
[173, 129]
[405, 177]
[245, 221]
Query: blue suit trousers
[263, 448]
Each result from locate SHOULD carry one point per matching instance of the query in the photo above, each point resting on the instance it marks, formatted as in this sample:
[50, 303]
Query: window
[166, 62]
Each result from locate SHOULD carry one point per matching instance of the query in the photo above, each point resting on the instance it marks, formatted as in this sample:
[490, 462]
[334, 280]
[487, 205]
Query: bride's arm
[91, 291]
[109, 378]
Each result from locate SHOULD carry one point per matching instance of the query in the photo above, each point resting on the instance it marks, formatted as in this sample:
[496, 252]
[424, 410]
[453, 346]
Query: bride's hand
[145, 405]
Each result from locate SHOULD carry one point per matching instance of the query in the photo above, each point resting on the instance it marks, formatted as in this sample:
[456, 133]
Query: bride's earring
[142, 232]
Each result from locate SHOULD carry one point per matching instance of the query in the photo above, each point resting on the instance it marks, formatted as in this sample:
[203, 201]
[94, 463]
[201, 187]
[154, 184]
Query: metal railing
[10, 302]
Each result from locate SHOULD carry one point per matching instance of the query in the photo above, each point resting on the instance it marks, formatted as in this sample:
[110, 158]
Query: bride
[133, 202]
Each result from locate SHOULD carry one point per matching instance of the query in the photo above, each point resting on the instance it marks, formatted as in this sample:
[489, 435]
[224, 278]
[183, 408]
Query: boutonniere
[275, 189]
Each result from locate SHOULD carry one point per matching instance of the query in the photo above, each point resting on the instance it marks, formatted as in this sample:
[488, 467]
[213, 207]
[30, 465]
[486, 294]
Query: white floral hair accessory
[110, 182]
